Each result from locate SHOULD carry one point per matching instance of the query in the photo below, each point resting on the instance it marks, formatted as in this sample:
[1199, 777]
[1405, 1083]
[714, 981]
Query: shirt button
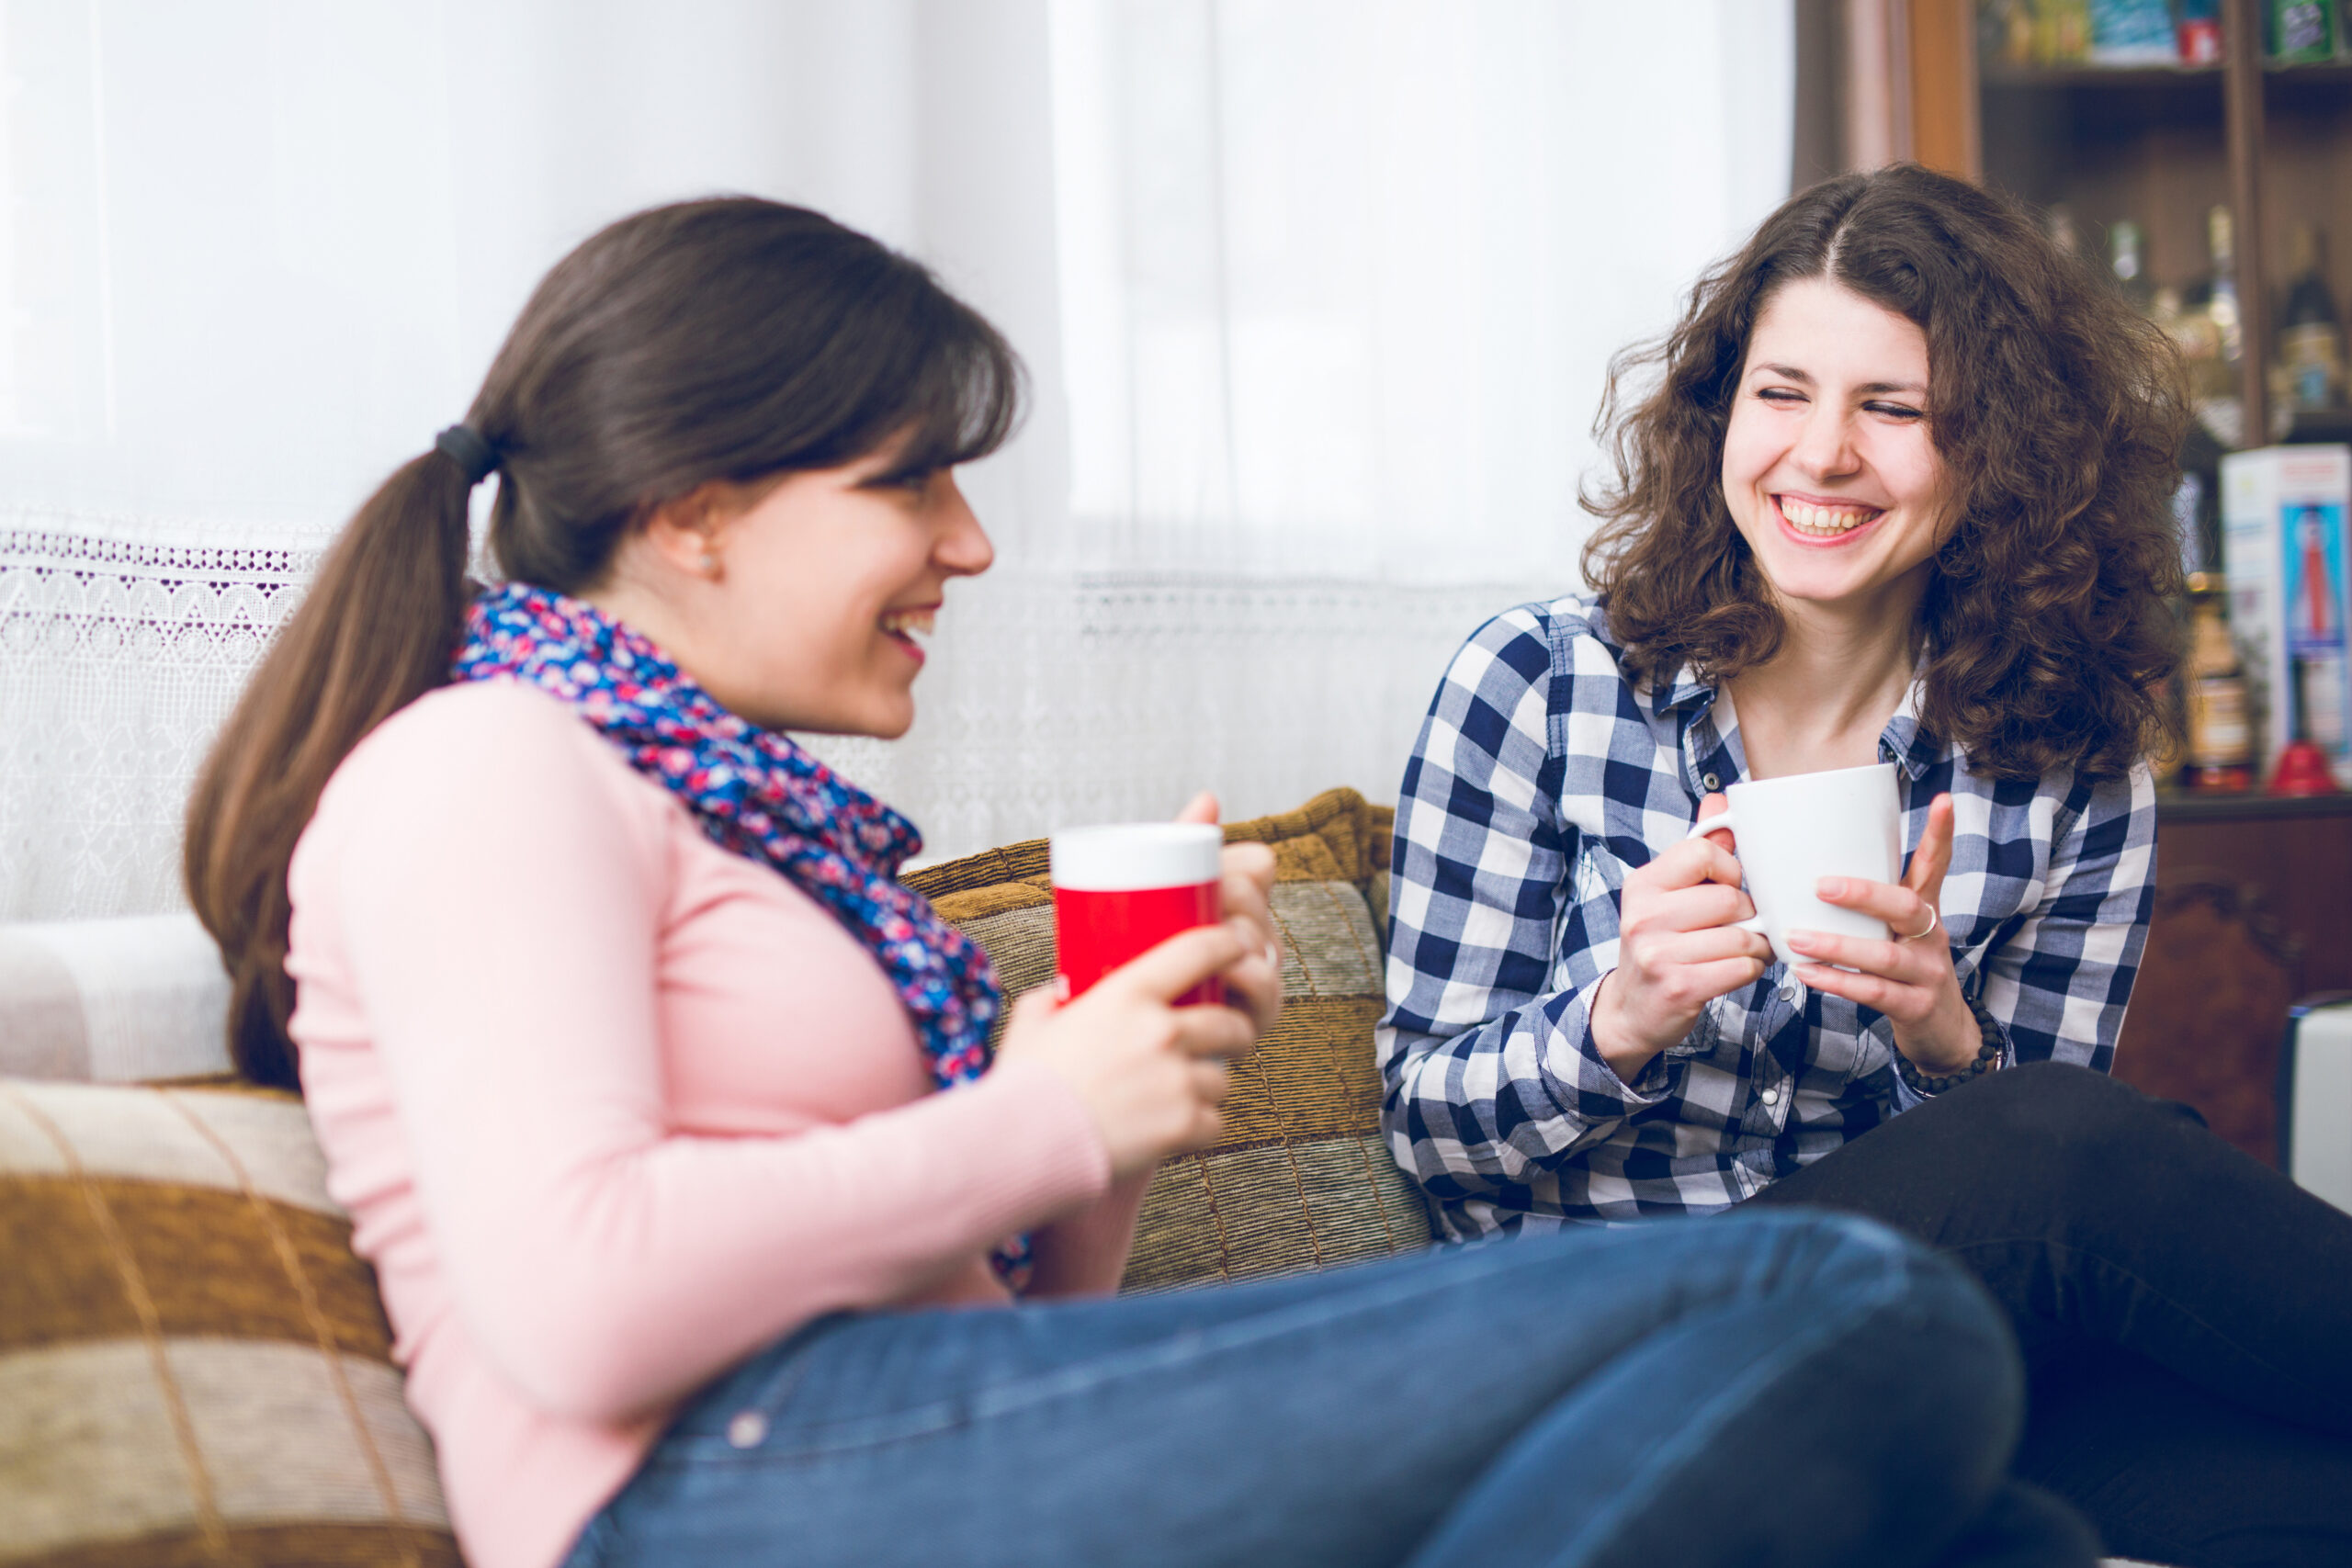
[1769, 1096]
[747, 1430]
[1712, 782]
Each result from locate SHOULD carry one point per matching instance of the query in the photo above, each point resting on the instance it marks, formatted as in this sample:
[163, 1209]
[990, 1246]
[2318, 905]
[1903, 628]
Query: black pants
[2185, 1311]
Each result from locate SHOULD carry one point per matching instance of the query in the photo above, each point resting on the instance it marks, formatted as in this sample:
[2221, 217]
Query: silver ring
[1927, 931]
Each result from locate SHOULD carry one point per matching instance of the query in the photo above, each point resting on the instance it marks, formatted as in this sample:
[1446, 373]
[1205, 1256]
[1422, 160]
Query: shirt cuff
[1587, 1072]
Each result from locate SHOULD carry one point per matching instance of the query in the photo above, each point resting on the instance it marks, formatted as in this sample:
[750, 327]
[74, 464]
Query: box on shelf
[2285, 553]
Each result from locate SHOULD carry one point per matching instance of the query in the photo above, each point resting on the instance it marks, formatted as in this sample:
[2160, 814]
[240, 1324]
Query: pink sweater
[611, 1107]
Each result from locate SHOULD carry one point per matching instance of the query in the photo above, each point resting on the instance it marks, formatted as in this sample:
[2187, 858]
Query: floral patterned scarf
[756, 793]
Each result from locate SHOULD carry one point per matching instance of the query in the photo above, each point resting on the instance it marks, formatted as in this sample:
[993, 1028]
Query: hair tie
[464, 446]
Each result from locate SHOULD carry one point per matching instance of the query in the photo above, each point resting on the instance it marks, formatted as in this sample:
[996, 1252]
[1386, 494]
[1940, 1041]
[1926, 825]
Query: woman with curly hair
[1897, 494]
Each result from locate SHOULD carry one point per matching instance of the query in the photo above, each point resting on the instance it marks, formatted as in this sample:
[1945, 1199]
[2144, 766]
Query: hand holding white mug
[1910, 979]
[1679, 946]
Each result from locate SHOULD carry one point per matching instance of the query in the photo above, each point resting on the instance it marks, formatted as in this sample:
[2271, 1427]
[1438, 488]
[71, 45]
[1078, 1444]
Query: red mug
[1122, 890]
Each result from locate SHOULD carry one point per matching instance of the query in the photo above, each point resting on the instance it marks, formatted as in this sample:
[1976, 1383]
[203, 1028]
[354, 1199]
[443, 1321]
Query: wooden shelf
[2163, 78]
[2174, 805]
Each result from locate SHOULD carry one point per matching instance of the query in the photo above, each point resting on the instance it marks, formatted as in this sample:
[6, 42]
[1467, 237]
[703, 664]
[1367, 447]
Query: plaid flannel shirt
[1543, 776]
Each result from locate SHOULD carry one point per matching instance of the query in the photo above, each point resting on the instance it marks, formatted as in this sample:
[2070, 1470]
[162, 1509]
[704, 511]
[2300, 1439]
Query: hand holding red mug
[1170, 971]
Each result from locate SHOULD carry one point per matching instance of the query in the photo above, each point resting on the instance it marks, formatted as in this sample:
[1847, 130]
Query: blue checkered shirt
[1544, 775]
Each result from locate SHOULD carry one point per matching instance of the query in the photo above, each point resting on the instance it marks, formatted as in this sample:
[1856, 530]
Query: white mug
[1794, 830]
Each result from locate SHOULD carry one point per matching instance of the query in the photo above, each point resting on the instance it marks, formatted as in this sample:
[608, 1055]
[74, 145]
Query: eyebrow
[1790, 373]
[898, 472]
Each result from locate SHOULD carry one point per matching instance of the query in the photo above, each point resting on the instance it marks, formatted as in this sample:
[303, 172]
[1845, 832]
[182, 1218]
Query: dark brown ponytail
[728, 339]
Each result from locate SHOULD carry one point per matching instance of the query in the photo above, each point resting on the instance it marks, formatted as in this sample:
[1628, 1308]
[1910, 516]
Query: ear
[690, 532]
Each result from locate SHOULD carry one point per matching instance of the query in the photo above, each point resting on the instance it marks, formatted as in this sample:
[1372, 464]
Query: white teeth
[1825, 521]
[910, 623]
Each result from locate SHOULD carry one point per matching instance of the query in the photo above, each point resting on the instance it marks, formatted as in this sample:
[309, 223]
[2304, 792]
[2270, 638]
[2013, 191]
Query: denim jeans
[1761, 1389]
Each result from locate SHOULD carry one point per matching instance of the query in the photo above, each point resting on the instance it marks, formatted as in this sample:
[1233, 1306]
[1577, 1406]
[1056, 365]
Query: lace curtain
[1316, 299]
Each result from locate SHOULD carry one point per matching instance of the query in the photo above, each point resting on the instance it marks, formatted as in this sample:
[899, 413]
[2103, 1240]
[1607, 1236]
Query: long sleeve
[1486, 1054]
[2059, 982]
[500, 917]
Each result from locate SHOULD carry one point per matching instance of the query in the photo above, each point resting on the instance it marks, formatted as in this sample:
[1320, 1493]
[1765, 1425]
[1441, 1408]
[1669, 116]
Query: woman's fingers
[1212, 1080]
[1214, 1031]
[1255, 986]
[1185, 959]
[1202, 808]
[1870, 955]
[1905, 1003]
[1903, 911]
[1933, 857]
[1705, 906]
[1715, 805]
[1246, 886]
[1690, 864]
[1707, 946]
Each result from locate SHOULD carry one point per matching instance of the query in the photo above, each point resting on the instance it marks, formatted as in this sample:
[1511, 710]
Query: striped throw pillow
[194, 1367]
[1300, 1180]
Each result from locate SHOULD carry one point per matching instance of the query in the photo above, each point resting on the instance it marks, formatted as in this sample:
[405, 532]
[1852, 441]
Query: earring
[709, 564]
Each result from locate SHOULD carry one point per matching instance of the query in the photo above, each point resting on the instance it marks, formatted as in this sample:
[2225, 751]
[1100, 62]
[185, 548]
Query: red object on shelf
[2303, 770]
[2200, 41]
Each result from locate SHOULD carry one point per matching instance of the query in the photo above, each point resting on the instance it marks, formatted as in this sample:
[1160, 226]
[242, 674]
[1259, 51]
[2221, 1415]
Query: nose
[962, 548]
[1825, 447]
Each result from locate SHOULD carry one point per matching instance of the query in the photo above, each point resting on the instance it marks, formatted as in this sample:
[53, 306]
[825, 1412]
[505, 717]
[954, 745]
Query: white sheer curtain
[1316, 299]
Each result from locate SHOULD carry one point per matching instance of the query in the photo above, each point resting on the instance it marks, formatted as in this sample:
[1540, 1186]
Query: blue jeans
[1764, 1388]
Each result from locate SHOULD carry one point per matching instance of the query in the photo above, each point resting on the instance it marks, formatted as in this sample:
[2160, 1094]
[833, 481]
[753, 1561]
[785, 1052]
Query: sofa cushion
[1301, 1178]
[194, 1367]
[112, 1001]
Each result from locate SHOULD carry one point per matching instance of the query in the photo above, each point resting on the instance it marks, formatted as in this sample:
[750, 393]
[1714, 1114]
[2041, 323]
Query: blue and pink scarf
[757, 794]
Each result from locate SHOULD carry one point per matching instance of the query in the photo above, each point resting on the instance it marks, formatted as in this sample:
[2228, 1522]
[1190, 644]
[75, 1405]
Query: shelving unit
[2253, 905]
[2155, 144]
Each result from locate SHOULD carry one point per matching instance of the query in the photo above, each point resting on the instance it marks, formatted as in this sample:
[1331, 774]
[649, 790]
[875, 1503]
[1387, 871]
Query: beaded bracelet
[1988, 1057]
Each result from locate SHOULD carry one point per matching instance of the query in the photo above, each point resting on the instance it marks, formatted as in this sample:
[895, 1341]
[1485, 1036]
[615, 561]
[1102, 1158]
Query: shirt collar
[1904, 741]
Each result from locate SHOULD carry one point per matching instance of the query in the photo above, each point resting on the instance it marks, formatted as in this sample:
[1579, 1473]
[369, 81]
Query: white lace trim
[123, 643]
[1052, 698]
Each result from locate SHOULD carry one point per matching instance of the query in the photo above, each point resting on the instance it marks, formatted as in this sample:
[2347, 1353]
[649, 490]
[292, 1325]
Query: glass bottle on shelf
[2221, 731]
[2309, 370]
[2126, 249]
[2212, 335]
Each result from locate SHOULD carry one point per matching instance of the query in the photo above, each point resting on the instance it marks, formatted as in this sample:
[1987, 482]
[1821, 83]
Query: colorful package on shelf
[2062, 31]
[2285, 554]
[2301, 31]
[2131, 32]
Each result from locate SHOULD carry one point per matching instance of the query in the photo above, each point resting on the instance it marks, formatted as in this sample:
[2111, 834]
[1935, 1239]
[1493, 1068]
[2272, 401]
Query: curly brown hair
[2047, 640]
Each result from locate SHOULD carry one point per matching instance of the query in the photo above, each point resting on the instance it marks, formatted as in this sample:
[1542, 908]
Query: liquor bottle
[2221, 291]
[2220, 738]
[2309, 372]
[2125, 248]
[2212, 335]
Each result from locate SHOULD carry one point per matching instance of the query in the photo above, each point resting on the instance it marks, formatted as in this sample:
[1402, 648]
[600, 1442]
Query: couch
[194, 1367]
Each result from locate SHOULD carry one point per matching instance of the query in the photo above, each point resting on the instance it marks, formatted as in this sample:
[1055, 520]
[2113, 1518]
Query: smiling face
[1827, 466]
[811, 610]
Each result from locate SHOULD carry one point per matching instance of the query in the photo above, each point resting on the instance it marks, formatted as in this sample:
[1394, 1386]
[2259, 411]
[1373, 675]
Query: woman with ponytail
[668, 1116]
